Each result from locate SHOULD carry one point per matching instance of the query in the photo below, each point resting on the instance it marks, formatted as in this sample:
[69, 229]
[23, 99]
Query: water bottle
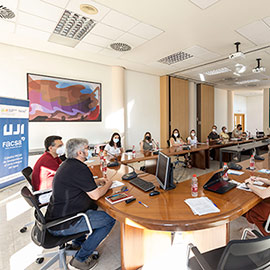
[133, 151]
[194, 186]
[157, 146]
[225, 175]
[252, 163]
[207, 141]
[101, 157]
[104, 167]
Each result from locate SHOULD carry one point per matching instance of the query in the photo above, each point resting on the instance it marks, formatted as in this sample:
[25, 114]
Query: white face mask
[214, 130]
[115, 140]
[192, 134]
[60, 150]
[175, 134]
[226, 130]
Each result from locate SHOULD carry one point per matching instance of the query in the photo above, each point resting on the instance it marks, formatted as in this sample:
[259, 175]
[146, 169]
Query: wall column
[230, 110]
[266, 111]
[192, 106]
[118, 100]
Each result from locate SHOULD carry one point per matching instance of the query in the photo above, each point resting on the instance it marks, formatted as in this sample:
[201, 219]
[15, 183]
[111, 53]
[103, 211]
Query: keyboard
[142, 184]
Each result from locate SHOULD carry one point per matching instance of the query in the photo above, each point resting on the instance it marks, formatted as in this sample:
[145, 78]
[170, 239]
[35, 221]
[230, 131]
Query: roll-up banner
[14, 115]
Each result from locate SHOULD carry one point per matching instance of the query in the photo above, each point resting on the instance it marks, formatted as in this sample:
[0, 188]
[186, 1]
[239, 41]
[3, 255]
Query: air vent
[247, 81]
[120, 47]
[6, 13]
[175, 58]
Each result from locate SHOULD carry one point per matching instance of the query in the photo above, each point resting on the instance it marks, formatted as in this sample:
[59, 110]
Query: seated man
[237, 132]
[213, 135]
[224, 134]
[46, 166]
[259, 213]
[75, 191]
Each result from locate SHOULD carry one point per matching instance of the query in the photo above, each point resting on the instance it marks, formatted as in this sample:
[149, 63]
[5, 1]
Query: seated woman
[176, 140]
[147, 144]
[224, 134]
[192, 139]
[114, 148]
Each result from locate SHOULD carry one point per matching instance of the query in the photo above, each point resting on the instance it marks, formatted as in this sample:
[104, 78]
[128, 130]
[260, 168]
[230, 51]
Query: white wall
[16, 62]
[221, 108]
[240, 106]
[143, 107]
[254, 114]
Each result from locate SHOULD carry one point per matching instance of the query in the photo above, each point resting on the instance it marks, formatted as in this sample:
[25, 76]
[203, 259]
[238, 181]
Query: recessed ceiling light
[217, 71]
[247, 81]
[6, 13]
[202, 77]
[175, 58]
[88, 9]
[121, 47]
[240, 68]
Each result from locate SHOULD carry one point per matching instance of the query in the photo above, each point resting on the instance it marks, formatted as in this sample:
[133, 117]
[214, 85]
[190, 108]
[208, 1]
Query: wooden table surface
[259, 164]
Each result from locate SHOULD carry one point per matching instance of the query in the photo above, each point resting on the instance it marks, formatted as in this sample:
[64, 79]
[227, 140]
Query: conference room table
[259, 164]
[146, 231]
[199, 156]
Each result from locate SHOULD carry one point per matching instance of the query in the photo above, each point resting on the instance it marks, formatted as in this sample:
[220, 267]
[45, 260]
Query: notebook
[118, 197]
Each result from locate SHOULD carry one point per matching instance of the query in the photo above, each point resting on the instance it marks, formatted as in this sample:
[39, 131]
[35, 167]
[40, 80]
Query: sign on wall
[14, 114]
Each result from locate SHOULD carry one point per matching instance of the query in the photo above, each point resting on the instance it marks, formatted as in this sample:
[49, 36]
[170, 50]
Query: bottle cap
[194, 175]
[225, 163]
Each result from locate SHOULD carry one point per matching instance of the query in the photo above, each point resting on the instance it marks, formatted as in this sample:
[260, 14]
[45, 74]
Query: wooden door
[239, 118]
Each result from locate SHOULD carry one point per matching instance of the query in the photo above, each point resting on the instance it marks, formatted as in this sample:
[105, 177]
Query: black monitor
[164, 172]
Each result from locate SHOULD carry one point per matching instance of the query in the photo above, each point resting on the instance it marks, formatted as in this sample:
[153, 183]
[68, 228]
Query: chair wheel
[95, 255]
[23, 229]
[39, 260]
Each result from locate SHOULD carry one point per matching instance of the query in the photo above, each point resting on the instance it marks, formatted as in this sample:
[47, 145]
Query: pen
[143, 204]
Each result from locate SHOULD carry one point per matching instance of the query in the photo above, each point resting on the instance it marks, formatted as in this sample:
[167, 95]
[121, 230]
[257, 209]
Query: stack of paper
[265, 171]
[202, 206]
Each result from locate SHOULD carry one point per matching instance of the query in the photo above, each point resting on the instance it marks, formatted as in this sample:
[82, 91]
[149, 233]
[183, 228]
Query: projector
[258, 69]
[236, 55]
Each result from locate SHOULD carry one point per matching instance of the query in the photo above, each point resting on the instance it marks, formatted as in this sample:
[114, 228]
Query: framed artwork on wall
[54, 99]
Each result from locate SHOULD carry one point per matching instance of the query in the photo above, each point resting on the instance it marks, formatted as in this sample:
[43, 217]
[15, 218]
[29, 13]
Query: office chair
[27, 173]
[168, 143]
[249, 254]
[42, 237]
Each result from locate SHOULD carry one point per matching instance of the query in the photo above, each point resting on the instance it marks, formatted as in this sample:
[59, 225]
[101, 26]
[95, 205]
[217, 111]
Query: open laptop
[217, 184]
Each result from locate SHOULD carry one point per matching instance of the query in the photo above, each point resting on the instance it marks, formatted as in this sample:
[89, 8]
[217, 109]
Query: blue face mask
[89, 154]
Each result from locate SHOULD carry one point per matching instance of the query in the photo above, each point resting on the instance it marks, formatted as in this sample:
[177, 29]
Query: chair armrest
[258, 234]
[199, 257]
[63, 220]
[266, 227]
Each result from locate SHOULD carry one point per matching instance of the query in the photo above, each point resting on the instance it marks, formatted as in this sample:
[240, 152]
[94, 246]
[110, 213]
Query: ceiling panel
[41, 9]
[88, 47]
[145, 31]
[7, 27]
[35, 22]
[31, 33]
[203, 4]
[110, 53]
[106, 31]
[257, 32]
[131, 40]
[74, 5]
[120, 21]
[97, 40]
[57, 3]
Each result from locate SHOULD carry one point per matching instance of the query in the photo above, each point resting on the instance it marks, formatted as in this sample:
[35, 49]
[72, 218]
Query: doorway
[239, 118]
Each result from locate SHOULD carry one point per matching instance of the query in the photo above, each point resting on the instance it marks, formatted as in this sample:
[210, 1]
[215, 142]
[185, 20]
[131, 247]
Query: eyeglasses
[87, 147]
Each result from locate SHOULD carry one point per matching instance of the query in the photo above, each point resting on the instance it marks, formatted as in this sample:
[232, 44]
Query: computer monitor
[164, 172]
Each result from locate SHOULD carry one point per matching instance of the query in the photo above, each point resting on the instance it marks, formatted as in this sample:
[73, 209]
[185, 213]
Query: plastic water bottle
[207, 141]
[225, 175]
[157, 146]
[101, 157]
[133, 151]
[194, 186]
[104, 167]
[252, 163]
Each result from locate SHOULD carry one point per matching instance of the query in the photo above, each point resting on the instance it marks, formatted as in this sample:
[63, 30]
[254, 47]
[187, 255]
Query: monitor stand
[170, 184]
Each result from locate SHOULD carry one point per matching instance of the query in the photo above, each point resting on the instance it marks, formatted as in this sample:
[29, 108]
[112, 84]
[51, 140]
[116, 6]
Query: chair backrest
[168, 143]
[230, 134]
[246, 254]
[27, 173]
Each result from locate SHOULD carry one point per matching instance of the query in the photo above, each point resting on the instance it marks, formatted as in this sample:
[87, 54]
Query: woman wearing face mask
[224, 134]
[192, 139]
[114, 147]
[147, 144]
[175, 139]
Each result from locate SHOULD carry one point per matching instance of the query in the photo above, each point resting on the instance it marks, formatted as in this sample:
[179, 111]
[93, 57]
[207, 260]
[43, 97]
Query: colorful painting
[57, 99]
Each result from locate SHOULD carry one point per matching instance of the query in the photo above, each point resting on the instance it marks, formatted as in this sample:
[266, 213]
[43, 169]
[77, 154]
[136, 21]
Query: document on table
[234, 172]
[264, 171]
[116, 184]
[202, 206]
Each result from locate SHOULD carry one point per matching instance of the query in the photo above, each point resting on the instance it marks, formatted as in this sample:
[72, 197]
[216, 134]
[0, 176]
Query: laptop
[217, 184]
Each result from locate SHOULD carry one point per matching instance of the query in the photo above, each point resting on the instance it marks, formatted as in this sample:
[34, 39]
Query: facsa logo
[13, 129]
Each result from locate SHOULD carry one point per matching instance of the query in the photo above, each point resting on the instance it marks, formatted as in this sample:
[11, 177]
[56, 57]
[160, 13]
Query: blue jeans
[101, 224]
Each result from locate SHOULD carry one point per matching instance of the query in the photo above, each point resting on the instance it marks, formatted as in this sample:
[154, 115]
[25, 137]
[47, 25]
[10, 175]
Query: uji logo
[13, 129]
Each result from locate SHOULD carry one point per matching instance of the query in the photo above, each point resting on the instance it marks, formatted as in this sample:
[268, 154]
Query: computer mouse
[154, 193]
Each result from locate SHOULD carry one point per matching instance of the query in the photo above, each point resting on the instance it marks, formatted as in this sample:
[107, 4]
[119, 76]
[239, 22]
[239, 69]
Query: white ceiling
[207, 29]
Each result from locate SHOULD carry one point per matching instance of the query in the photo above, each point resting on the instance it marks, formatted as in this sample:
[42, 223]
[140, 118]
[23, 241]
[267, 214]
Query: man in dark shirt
[213, 135]
[75, 191]
[46, 166]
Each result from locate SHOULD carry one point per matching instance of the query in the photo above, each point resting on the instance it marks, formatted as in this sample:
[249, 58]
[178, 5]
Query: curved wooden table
[146, 231]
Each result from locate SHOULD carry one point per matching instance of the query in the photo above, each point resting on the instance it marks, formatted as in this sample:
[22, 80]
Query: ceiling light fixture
[237, 54]
[236, 74]
[6, 13]
[247, 81]
[175, 58]
[202, 77]
[88, 9]
[240, 68]
[120, 47]
[258, 69]
[217, 71]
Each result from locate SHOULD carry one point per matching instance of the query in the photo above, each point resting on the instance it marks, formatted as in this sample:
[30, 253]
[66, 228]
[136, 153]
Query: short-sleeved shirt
[236, 133]
[112, 150]
[71, 182]
[44, 171]
[192, 141]
[147, 146]
[213, 135]
[224, 135]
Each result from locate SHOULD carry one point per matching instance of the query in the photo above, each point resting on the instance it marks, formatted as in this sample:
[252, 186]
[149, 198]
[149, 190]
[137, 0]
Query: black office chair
[230, 134]
[249, 254]
[42, 237]
[168, 143]
[27, 173]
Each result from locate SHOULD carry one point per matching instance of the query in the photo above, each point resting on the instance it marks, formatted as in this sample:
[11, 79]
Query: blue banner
[14, 115]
